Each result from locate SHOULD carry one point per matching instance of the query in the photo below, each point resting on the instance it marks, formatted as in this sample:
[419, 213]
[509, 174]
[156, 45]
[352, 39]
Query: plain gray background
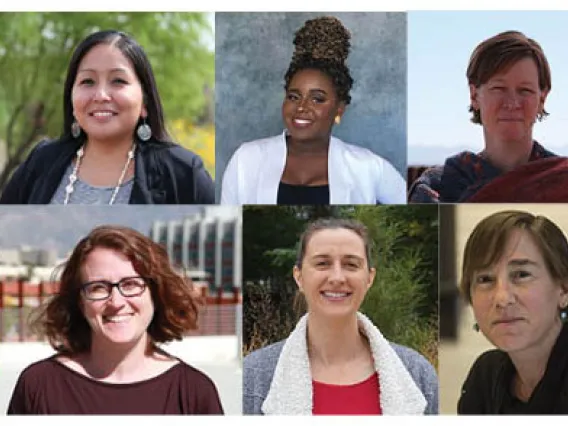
[253, 52]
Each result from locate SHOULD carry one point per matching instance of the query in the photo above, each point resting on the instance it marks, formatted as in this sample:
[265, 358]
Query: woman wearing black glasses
[119, 298]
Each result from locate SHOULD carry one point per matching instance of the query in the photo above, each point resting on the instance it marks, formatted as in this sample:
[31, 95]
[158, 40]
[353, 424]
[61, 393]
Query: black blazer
[165, 173]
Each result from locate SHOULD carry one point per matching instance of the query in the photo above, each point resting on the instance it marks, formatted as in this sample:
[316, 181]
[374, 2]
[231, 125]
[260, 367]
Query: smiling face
[107, 96]
[118, 319]
[516, 302]
[334, 275]
[509, 103]
[310, 106]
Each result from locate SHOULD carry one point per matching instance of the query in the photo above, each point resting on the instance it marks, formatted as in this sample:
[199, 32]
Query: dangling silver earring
[144, 131]
[563, 316]
[75, 129]
[476, 326]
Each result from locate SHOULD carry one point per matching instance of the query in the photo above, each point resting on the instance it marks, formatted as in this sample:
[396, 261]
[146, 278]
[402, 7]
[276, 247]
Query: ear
[543, 97]
[372, 274]
[297, 273]
[563, 301]
[341, 108]
[473, 96]
[144, 111]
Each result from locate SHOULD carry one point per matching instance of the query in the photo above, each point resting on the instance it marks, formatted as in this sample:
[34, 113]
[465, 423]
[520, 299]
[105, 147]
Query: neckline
[75, 373]
[371, 378]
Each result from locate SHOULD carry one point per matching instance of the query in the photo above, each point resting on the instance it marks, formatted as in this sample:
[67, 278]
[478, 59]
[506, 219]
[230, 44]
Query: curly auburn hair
[498, 54]
[323, 44]
[175, 306]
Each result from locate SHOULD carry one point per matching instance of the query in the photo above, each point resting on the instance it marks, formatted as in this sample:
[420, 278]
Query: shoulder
[488, 364]
[257, 147]
[195, 377]
[169, 153]
[38, 375]
[264, 359]
[423, 374]
[416, 364]
[477, 395]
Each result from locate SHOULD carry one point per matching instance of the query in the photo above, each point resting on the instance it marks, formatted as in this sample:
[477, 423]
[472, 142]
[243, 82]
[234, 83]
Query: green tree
[35, 49]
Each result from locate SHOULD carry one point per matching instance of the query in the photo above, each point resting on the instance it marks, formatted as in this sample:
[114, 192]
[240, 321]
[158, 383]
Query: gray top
[259, 366]
[83, 193]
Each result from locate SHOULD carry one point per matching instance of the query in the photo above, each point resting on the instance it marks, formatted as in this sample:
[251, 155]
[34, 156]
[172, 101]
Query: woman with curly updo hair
[306, 164]
[119, 298]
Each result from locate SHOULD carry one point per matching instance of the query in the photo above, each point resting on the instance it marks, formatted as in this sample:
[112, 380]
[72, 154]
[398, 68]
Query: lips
[116, 319]
[507, 320]
[301, 122]
[335, 295]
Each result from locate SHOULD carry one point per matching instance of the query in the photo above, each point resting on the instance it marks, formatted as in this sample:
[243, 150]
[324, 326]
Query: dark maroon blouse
[49, 387]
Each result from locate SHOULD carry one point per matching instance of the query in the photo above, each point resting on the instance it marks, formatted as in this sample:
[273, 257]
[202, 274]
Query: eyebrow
[312, 91]
[502, 80]
[347, 256]
[124, 70]
[523, 262]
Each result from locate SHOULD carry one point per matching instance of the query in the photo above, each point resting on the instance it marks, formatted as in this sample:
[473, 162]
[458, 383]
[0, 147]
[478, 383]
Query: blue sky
[439, 47]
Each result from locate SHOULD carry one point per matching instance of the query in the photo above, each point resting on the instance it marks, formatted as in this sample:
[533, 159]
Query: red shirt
[359, 398]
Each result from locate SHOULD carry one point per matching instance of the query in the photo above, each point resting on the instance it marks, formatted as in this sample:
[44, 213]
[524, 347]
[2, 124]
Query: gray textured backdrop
[253, 52]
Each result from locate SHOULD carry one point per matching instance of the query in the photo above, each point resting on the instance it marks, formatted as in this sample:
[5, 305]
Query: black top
[49, 387]
[488, 387]
[302, 194]
[164, 173]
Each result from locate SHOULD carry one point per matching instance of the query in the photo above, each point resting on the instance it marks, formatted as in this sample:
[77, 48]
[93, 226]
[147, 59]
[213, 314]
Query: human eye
[526, 91]
[318, 99]
[520, 275]
[131, 283]
[321, 263]
[497, 88]
[484, 279]
[120, 81]
[97, 289]
[292, 96]
[86, 82]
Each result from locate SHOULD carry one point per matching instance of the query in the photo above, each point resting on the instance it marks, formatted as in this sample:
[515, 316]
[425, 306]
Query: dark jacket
[165, 173]
[487, 387]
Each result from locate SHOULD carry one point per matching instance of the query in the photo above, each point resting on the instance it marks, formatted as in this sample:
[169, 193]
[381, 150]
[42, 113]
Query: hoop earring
[144, 131]
[75, 129]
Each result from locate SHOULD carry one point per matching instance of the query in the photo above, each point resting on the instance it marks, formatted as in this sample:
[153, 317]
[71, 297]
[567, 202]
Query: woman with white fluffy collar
[336, 361]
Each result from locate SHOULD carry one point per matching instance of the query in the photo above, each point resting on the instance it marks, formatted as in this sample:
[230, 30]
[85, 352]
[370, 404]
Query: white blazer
[356, 175]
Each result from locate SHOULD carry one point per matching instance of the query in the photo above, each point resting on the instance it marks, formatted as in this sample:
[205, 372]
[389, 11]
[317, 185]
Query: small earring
[144, 131]
[75, 129]
[563, 316]
[337, 119]
[476, 326]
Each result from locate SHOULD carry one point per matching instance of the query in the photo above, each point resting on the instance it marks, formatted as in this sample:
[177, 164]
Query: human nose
[115, 297]
[504, 292]
[302, 104]
[511, 101]
[101, 93]
[337, 274]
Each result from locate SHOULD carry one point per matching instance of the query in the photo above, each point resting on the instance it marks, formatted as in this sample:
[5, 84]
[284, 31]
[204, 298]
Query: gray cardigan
[259, 367]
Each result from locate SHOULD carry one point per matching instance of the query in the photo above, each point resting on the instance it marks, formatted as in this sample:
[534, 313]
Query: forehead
[106, 263]
[518, 244]
[335, 241]
[524, 69]
[104, 57]
[311, 79]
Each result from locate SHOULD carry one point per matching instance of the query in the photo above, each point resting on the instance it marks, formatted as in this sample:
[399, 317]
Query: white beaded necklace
[73, 176]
